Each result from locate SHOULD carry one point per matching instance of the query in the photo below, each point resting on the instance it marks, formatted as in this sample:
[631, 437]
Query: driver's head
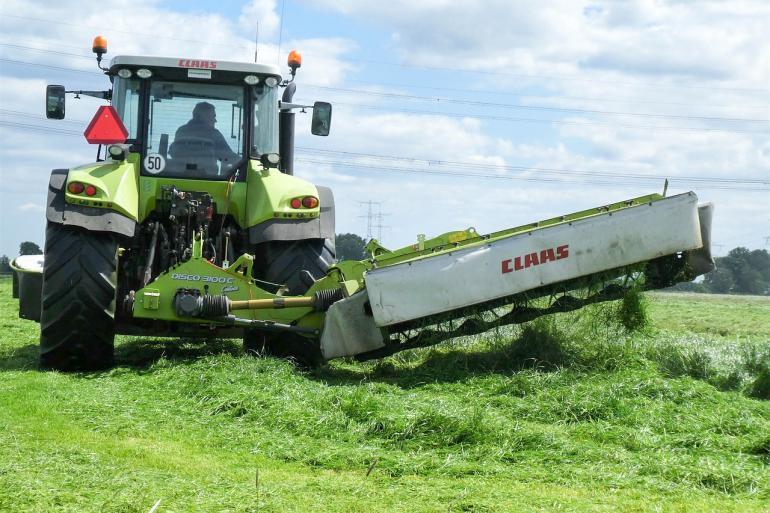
[204, 111]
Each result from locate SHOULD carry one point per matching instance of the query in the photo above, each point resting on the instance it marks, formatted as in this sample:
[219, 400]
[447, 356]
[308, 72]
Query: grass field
[566, 414]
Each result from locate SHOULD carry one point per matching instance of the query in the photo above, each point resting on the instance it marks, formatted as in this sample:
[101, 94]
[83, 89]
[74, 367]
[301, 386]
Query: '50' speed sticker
[154, 163]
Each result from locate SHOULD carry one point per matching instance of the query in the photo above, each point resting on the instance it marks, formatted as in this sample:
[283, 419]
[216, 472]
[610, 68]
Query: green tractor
[190, 163]
[191, 224]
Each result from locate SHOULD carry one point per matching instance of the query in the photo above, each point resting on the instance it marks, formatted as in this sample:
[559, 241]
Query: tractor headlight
[117, 152]
[270, 159]
[143, 73]
[271, 81]
[251, 79]
[124, 73]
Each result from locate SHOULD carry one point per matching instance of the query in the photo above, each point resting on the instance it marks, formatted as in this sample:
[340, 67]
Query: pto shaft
[189, 303]
[279, 302]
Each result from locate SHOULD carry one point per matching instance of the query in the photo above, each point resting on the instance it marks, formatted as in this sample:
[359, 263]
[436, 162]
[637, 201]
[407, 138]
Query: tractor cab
[196, 118]
[200, 119]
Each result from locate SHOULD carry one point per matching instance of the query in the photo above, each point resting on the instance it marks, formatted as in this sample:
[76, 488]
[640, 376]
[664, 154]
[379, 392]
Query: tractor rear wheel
[296, 264]
[302, 351]
[77, 325]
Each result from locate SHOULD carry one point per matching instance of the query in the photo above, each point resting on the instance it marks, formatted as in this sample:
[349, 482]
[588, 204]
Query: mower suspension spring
[214, 306]
[325, 298]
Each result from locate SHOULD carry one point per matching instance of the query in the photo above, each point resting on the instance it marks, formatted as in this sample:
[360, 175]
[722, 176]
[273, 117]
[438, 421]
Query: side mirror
[322, 118]
[54, 102]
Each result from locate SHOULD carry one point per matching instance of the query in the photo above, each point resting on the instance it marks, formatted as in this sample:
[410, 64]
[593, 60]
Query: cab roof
[192, 63]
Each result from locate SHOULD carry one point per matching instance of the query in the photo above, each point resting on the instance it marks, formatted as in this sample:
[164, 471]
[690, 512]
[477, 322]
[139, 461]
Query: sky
[447, 115]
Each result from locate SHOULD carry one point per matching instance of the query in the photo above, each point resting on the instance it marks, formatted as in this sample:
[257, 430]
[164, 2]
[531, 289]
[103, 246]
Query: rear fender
[270, 217]
[112, 209]
[116, 183]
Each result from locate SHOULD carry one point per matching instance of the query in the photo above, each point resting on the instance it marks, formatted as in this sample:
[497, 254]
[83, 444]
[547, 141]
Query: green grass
[571, 413]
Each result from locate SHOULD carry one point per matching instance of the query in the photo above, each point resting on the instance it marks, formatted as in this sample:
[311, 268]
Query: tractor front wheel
[77, 325]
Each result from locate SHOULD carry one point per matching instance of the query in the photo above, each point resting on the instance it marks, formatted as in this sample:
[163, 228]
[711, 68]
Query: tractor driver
[201, 126]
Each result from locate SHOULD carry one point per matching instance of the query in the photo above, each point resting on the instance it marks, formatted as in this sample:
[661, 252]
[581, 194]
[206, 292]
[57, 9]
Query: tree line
[742, 271]
[25, 248]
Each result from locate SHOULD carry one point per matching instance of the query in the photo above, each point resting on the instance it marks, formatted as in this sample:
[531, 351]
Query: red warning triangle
[106, 127]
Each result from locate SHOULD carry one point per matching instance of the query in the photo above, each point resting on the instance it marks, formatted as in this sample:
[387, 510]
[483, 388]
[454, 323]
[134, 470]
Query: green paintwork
[116, 182]
[349, 271]
[156, 300]
[436, 243]
[190, 275]
[150, 191]
[450, 241]
[269, 194]
[265, 194]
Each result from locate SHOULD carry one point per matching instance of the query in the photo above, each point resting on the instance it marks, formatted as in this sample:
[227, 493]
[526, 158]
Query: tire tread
[77, 328]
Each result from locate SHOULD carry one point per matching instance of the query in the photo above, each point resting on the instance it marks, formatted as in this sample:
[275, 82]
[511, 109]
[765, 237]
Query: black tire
[303, 352]
[295, 264]
[77, 325]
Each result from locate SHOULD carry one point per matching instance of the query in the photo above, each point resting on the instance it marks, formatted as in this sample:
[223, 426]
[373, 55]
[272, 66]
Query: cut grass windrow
[571, 413]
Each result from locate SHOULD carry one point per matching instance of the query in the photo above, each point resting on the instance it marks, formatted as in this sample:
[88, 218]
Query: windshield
[265, 138]
[194, 130]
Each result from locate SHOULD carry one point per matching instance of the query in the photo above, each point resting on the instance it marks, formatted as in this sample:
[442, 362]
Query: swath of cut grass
[563, 413]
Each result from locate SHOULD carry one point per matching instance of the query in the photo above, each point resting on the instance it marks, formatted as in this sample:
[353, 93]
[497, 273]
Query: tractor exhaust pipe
[286, 131]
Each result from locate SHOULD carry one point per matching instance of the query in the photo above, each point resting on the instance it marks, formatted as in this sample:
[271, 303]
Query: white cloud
[702, 40]
[35, 207]
[30, 146]
[699, 58]
[260, 15]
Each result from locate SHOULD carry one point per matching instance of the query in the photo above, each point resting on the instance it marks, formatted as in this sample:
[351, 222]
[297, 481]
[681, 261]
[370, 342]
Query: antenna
[256, 44]
[280, 31]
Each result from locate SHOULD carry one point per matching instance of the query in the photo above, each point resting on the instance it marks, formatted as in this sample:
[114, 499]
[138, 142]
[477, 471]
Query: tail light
[304, 202]
[76, 187]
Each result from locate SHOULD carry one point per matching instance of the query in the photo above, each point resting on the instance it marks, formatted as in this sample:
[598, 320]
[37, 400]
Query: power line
[529, 94]
[30, 115]
[550, 121]
[571, 174]
[46, 50]
[50, 66]
[458, 173]
[26, 126]
[566, 78]
[479, 103]
[476, 116]
[422, 86]
[499, 167]
[457, 101]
